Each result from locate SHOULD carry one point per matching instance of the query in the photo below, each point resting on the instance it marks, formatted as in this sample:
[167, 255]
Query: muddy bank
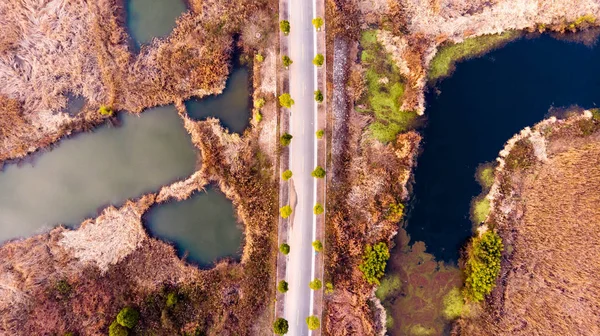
[542, 204]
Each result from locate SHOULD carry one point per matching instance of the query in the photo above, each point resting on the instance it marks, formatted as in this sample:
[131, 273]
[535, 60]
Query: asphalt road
[299, 298]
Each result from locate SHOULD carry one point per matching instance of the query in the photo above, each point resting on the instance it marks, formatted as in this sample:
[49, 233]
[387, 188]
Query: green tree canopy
[285, 211]
[286, 60]
[259, 58]
[318, 96]
[319, 172]
[313, 322]
[286, 100]
[284, 25]
[286, 139]
[319, 60]
[318, 23]
[282, 286]
[374, 261]
[286, 175]
[317, 245]
[284, 248]
[320, 134]
[116, 329]
[280, 327]
[318, 209]
[483, 265]
[128, 317]
[316, 284]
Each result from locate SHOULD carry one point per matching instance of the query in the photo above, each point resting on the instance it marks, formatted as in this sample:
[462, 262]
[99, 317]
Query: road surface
[300, 267]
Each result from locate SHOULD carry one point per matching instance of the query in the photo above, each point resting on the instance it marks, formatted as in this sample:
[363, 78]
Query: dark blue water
[480, 107]
[232, 107]
[203, 228]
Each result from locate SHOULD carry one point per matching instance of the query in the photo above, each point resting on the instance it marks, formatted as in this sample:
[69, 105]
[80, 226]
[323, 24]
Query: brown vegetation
[545, 208]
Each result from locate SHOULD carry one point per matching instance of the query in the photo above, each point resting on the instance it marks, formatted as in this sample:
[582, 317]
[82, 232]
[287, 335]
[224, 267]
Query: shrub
[320, 134]
[284, 25]
[317, 245]
[284, 248]
[286, 61]
[483, 265]
[172, 299]
[63, 287]
[116, 329]
[286, 100]
[319, 172]
[374, 260]
[328, 288]
[259, 58]
[395, 212]
[128, 317]
[280, 327]
[260, 103]
[318, 96]
[285, 139]
[318, 23]
[258, 116]
[286, 175]
[105, 110]
[313, 322]
[285, 211]
[318, 209]
[315, 284]
[282, 286]
[319, 59]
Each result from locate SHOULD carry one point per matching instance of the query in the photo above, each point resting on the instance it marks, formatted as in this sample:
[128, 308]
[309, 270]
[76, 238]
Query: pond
[232, 106]
[147, 19]
[203, 228]
[90, 170]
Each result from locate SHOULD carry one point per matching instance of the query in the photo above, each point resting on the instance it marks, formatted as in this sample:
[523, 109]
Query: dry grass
[547, 215]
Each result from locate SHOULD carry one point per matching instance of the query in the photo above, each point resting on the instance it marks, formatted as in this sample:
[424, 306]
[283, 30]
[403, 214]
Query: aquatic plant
[319, 60]
[280, 326]
[388, 286]
[286, 100]
[453, 304]
[285, 139]
[319, 172]
[374, 261]
[318, 209]
[481, 209]
[313, 322]
[483, 265]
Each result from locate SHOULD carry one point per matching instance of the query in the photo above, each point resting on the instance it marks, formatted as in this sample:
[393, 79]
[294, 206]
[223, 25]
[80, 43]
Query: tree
[318, 209]
[280, 327]
[319, 172]
[259, 103]
[285, 211]
[315, 284]
[374, 260]
[285, 139]
[116, 329]
[259, 58]
[317, 245]
[128, 317]
[318, 23]
[286, 61]
[483, 265]
[284, 25]
[313, 322]
[320, 134]
[319, 60]
[318, 96]
[282, 286]
[286, 100]
[105, 110]
[284, 248]
[286, 175]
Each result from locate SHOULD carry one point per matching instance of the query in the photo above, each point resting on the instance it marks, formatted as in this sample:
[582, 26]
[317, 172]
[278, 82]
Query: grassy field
[385, 88]
[444, 61]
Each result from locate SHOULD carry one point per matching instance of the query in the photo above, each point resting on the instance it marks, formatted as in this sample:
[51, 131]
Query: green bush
[318, 23]
[282, 286]
[317, 245]
[259, 58]
[280, 327]
[319, 59]
[318, 209]
[395, 212]
[260, 103]
[116, 329]
[285, 211]
[128, 317]
[328, 288]
[374, 261]
[285, 139]
[318, 96]
[172, 299]
[284, 248]
[286, 175]
[320, 134]
[319, 172]
[286, 100]
[315, 284]
[284, 25]
[313, 322]
[105, 110]
[483, 265]
[286, 61]
[258, 116]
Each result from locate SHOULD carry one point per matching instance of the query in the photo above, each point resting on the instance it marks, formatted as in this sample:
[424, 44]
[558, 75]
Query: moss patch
[385, 88]
[443, 63]
[485, 175]
[481, 209]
